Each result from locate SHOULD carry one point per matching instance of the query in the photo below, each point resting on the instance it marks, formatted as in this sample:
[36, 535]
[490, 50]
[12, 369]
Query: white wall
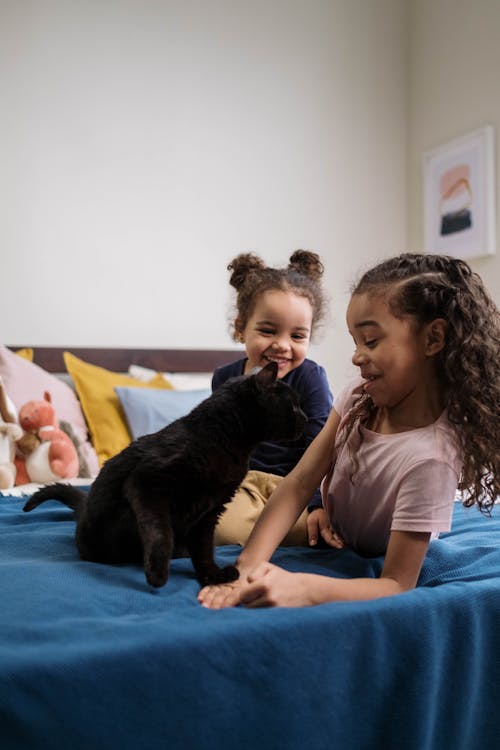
[144, 143]
[454, 90]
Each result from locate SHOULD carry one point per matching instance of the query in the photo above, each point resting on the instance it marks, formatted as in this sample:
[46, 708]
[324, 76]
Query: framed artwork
[459, 196]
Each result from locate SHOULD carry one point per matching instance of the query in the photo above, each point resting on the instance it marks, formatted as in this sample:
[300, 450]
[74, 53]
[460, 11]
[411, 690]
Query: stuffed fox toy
[47, 452]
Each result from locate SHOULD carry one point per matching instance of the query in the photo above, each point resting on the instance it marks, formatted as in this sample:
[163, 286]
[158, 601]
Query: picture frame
[459, 196]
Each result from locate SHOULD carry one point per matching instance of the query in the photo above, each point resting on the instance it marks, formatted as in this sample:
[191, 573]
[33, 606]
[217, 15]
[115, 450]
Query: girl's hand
[318, 526]
[271, 586]
[221, 595]
[265, 586]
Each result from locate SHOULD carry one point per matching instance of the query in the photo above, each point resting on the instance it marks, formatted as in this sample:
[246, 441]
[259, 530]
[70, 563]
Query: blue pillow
[150, 409]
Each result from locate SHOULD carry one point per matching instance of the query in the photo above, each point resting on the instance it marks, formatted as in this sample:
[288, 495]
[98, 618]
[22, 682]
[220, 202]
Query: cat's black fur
[166, 491]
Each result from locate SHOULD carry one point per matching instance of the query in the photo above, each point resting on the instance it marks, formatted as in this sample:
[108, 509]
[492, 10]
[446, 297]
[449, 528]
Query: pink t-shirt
[404, 482]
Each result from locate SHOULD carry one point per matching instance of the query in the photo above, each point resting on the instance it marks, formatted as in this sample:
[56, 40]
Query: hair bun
[243, 265]
[308, 263]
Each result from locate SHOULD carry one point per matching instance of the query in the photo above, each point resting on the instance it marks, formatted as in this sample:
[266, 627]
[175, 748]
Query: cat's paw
[227, 574]
[156, 578]
[217, 575]
[156, 568]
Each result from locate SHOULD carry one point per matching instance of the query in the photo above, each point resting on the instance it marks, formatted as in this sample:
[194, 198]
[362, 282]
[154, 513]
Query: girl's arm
[269, 585]
[280, 513]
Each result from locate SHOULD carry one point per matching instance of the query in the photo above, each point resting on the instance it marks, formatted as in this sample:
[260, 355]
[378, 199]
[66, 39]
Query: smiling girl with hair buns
[277, 312]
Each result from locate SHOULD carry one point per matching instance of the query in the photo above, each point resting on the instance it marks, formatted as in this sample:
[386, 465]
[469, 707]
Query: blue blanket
[91, 658]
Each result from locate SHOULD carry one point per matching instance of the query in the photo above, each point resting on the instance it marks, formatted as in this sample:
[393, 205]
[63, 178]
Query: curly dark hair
[251, 277]
[427, 287]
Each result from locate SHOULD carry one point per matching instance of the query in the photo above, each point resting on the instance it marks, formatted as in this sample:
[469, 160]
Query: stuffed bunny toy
[10, 433]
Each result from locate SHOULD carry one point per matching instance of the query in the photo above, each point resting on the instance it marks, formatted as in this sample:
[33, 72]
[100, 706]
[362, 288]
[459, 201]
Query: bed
[92, 657]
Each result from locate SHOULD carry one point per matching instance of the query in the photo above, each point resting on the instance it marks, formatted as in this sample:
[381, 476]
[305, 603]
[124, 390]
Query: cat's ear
[267, 375]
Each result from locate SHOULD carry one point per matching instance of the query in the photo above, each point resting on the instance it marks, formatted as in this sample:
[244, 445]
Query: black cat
[166, 491]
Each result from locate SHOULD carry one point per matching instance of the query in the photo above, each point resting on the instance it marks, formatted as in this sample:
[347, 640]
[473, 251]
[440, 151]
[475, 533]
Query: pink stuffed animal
[49, 453]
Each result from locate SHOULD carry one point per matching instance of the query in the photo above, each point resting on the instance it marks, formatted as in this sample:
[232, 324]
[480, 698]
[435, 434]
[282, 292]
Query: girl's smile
[278, 331]
[369, 381]
[282, 362]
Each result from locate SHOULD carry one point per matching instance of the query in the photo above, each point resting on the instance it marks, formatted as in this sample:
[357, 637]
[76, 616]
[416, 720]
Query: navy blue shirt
[311, 383]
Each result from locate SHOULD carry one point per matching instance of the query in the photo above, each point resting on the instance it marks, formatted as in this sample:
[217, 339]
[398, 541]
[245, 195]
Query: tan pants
[246, 506]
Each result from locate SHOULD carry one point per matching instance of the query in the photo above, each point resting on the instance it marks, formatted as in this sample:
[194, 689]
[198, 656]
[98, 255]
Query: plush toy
[10, 432]
[46, 453]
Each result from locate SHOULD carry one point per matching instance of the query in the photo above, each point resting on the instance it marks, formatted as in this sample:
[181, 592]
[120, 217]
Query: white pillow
[181, 381]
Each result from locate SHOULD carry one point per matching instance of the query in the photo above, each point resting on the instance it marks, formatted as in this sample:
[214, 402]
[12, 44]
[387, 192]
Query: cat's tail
[65, 493]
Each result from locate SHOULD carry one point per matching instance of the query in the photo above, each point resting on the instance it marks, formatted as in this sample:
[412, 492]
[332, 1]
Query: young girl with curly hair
[277, 312]
[420, 423]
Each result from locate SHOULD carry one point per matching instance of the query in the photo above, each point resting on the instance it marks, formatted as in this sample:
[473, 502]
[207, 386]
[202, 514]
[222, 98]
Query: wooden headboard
[119, 360]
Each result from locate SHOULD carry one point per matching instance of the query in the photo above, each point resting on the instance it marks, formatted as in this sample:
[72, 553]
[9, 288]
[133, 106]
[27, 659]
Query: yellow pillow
[25, 353]
[101, 405]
